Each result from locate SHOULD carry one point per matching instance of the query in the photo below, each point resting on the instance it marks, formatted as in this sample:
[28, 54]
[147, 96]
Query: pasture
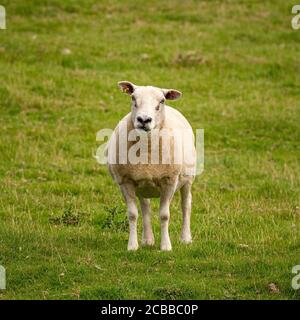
[63, 224]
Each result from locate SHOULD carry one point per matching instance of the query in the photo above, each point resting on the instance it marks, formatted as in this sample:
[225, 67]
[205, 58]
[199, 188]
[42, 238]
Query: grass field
[63, 226]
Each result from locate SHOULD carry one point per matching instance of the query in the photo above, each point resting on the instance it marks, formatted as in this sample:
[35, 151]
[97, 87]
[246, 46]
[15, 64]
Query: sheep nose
[144, 120]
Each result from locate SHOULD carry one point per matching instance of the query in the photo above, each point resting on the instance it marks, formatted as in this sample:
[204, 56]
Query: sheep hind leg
[167, 192]
[148, 237]
[186, 204]
[128, 192]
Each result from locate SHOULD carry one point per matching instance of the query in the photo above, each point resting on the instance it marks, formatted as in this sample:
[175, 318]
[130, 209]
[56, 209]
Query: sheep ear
[171, 94]
[127, 87]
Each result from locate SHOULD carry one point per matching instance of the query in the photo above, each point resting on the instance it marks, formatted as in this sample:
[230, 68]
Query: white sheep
[149, 180]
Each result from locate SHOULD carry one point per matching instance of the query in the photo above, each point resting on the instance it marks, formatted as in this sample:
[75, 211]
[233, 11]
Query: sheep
[149, 180]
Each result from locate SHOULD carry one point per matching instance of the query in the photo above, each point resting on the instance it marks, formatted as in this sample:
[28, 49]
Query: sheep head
[148, 104]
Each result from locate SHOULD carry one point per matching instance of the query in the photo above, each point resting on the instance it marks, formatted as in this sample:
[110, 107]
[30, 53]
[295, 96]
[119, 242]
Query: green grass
[63, 230]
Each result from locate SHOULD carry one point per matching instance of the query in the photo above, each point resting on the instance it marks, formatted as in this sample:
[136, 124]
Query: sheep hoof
[132, 246]
[148, 242]
[186, 240]
[186, 237]
[166, 247]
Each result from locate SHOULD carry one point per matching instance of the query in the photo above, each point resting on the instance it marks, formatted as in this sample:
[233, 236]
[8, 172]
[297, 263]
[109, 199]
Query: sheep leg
[186, 203]
[167, 192]
[148, 237]
[128, 192]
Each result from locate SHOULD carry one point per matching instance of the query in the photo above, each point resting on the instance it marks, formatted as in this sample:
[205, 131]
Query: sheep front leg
[148, 237]
[167, 192]
[186, 203]
[128, 192]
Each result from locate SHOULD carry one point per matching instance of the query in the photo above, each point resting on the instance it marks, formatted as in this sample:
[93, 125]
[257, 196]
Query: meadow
[63, 224]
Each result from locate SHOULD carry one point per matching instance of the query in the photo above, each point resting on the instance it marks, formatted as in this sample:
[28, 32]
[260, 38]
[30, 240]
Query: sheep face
[147, 109]
[148, 104]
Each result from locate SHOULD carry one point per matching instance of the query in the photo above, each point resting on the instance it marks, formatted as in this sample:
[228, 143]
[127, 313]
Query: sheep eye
[161, 102]
[134, 101]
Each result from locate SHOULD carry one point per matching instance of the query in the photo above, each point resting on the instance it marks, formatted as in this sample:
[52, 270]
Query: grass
[63, 229]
